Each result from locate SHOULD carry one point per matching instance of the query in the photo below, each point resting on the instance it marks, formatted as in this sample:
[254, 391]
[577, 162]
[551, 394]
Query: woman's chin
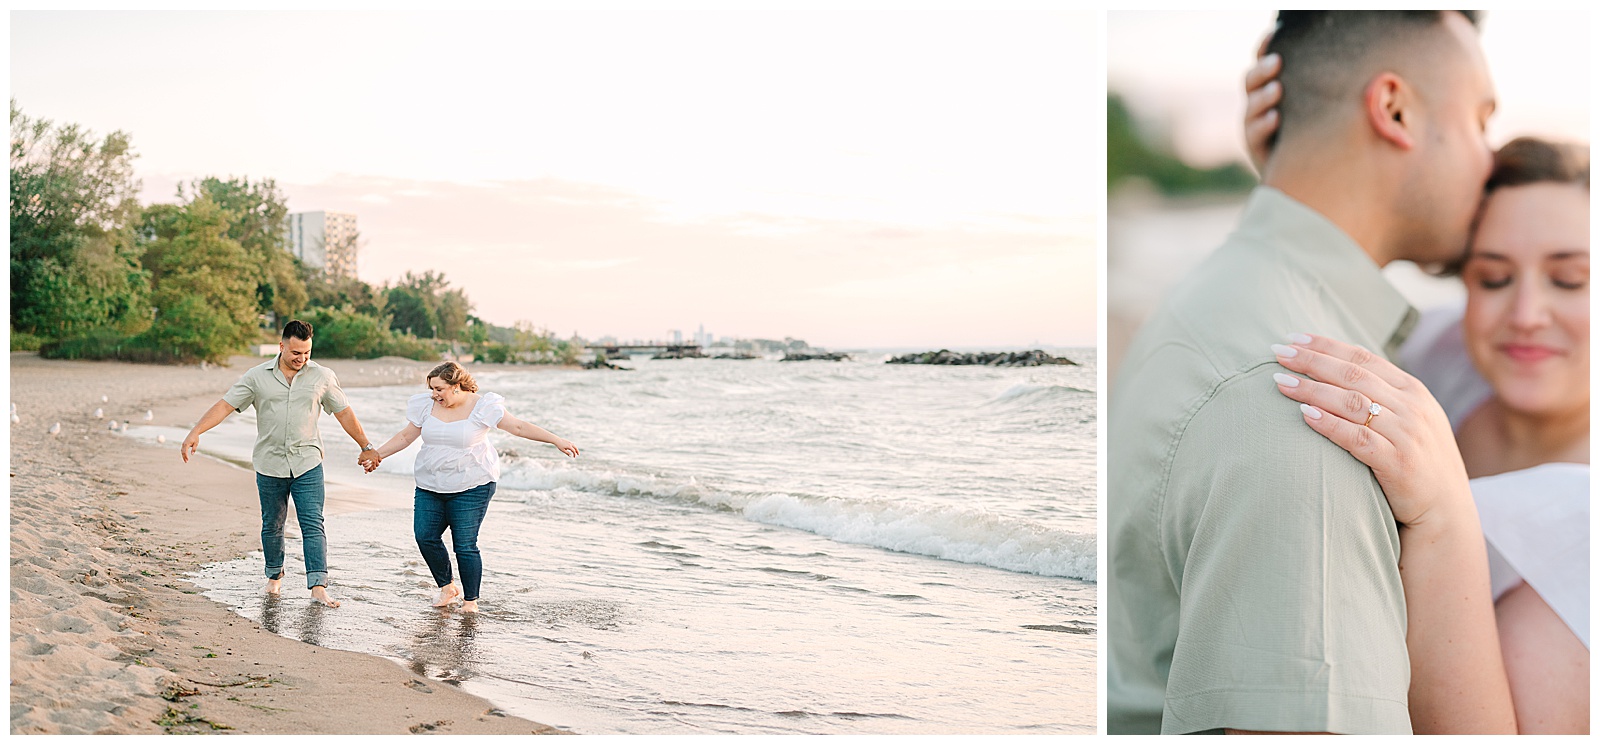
[1543, 395]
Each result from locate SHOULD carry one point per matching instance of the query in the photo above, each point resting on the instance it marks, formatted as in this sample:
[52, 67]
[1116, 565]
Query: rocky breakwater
[1032, 358]
[680, 354]
[810, 356]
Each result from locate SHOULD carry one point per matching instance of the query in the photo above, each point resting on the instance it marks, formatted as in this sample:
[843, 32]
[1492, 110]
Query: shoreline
[107, 635]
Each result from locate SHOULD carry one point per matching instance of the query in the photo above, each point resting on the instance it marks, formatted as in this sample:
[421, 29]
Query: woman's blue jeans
[306, 489]
[462, 512]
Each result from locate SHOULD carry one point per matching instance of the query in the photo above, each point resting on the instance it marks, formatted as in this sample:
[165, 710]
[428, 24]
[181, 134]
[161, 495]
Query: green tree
[454, 310]
[410, 312]
[347, 293]
[204, 290]
[256, 214]
[74, 257]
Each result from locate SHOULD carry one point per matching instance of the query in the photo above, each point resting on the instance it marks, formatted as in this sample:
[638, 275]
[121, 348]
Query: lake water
[743, 547]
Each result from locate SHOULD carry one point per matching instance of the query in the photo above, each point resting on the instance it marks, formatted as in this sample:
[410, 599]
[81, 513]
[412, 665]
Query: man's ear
[1391, 109]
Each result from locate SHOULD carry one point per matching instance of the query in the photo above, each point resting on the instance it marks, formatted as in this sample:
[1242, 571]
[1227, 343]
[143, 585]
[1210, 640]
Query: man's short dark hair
[297, 330]
[1327, 54]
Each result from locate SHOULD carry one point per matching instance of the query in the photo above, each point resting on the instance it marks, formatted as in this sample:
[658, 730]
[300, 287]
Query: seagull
[15, 418]
[161, 439]
[99, 413]
[112, 425]
[148, 415]
[103, 399]
[55, 429]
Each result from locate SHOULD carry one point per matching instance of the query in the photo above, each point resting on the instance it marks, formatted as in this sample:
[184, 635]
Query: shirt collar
[277, 372]
[1305, 237]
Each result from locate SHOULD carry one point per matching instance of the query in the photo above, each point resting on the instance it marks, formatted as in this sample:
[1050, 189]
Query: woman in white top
[1496, 569]
[456, 472]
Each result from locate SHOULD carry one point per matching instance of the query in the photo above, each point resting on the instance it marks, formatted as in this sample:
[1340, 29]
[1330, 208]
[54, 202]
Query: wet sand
[106, 634]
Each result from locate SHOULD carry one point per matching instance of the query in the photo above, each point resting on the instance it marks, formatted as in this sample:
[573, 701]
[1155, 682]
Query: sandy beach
[106, 634]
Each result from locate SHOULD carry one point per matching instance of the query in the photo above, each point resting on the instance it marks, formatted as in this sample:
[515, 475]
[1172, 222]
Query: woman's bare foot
[320, 594]
[274, 586]
[470, 606]
[447, 595]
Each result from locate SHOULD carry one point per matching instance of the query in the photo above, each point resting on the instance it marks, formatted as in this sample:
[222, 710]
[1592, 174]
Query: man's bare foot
[274, 586]
[447, 595]
[320, 594]
[470, 606]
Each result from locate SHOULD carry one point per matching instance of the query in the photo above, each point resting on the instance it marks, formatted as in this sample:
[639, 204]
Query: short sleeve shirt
[288, 442]
[1254, 565]
[456, 456]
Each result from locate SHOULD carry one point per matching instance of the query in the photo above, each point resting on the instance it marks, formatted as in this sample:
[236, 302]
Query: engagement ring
[1372, 413]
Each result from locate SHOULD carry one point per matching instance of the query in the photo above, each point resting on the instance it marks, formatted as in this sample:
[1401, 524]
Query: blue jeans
[308, 497]
[462, 512]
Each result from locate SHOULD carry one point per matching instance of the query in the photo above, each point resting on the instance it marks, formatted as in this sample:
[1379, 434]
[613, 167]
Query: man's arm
[347, 420]
[213, 417]
[1286, 557]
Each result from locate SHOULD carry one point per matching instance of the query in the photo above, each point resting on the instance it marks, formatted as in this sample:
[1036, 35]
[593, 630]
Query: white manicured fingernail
[1298, 338]
[1310, 411]
[1287, 381]
[1283, 351]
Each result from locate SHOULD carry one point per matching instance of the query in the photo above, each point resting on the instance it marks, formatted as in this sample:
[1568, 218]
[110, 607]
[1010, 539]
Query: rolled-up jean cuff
[274, 572]
[316, 578]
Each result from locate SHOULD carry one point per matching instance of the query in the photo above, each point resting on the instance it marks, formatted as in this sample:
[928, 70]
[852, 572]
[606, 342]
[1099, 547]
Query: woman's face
[445, 393]
[1527, 317]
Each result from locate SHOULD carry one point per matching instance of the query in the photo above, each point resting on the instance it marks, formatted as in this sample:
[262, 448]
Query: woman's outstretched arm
[400, 441]
[1458, 677]
[536, 433]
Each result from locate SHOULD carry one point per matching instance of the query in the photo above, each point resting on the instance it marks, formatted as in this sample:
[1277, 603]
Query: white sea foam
[943, 532]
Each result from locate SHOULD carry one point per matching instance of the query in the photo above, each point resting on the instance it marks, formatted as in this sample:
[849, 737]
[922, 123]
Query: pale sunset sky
[879, 174]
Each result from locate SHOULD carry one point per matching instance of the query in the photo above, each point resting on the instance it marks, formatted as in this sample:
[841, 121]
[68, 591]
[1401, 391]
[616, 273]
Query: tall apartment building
[325, 240]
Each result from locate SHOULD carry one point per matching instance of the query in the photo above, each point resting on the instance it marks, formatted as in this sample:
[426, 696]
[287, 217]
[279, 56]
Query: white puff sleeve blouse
[456, 456]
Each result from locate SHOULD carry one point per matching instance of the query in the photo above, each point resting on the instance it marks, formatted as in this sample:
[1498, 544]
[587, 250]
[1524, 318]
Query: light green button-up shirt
[288, 442]
[1254, 565]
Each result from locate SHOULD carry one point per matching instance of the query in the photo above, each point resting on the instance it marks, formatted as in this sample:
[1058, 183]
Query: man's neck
[1350, 192]
[288, 372]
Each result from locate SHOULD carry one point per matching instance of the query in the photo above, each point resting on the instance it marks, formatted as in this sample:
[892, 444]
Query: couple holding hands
[456, 469]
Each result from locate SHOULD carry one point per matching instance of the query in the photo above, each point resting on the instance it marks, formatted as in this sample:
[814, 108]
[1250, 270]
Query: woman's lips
[1528, 352]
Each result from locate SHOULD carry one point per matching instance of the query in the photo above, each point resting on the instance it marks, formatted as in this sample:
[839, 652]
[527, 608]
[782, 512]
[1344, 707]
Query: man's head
[294, 350]
[1409, 93]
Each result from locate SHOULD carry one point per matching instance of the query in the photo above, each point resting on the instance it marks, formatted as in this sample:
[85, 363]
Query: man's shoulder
[255, 372]
[320, 371]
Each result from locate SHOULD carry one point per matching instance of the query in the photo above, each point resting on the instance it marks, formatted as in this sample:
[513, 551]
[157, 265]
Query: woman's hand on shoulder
[1383, 416]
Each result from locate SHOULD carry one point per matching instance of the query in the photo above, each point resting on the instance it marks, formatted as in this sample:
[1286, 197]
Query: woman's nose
[1531, 307]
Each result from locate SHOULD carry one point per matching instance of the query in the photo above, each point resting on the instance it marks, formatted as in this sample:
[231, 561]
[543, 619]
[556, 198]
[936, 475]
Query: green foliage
[109, 344]
[1128, 155]
[74, 260]
[340, 333]
[324, 291]
[411, 313]
[426, 306]
[205, 292]
[21, 342]
[256, 213]
[494, 352]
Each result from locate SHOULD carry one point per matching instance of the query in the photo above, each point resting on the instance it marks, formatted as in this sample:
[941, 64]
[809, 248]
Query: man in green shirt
[1254, 565]
[287, 393]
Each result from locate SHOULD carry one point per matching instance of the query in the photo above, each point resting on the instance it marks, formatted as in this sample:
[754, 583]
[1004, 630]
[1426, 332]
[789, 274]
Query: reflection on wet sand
[307, 626]
[443, 647]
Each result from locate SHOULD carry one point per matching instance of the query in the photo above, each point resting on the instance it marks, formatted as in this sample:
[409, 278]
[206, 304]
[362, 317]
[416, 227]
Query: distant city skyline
[855, 175]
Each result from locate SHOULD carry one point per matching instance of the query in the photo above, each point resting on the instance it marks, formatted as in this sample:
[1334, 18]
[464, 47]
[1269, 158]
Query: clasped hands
[369, 460]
